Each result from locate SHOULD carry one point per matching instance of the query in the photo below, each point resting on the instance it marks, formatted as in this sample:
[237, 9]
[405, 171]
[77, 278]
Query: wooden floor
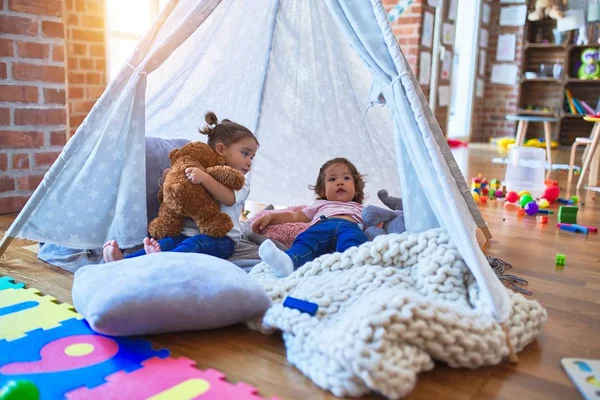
[570, 294]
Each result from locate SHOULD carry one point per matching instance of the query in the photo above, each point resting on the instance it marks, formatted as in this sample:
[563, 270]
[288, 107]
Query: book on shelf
[579, 107]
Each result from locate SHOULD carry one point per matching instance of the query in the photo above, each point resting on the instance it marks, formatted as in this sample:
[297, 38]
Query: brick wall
[407, 29]
[32, 95]
[43, 68]
[86, 57]
[498, 100]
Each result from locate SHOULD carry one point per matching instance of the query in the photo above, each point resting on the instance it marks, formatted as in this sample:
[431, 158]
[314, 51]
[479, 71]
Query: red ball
[511, 197]
[551, 193]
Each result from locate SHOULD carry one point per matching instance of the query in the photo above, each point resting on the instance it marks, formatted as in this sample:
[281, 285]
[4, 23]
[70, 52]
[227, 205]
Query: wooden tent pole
[4, 243]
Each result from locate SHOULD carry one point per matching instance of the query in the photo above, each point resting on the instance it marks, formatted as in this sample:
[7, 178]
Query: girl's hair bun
[211, 122]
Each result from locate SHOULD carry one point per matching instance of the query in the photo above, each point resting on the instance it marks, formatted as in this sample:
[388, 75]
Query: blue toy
[70, 356]
[301, 305]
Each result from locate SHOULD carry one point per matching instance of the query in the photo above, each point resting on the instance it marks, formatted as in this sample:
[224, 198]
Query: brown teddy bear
[181, 198]
[547, 8]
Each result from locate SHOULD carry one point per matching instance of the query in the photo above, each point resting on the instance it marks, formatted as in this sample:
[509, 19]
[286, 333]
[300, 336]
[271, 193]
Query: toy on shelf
[590, 68]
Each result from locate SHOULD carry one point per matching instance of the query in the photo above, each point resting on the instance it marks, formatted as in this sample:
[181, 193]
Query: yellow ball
[475, 197]
[523, 192]
[543, 203]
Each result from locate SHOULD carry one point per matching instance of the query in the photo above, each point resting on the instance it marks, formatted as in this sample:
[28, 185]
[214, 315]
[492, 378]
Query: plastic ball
[526, 198]
[551, 193]
[485, 191]
[531, 208]
[512, 197]
[20, 390]
[523, 193]
[475, 196]
[543, 203]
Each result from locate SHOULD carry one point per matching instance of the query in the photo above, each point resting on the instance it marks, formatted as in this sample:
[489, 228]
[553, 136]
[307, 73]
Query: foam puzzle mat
[51, 345]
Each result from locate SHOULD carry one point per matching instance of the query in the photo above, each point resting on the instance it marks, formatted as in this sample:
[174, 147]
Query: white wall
[464, 68]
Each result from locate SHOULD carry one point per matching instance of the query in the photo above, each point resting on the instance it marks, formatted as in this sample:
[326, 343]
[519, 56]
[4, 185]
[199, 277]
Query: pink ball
[531, 208]
[511, 197]
[551, 193]
[499, 194]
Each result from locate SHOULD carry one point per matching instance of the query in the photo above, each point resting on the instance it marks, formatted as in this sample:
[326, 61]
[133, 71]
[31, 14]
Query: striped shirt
[330, 209]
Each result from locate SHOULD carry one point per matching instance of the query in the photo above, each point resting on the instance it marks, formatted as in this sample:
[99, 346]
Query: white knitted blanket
[387, 309]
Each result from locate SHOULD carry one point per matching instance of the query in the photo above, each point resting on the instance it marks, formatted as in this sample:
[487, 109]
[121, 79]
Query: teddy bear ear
[173, 154]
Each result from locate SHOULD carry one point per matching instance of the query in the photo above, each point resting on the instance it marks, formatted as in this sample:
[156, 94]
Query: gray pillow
[166, 292]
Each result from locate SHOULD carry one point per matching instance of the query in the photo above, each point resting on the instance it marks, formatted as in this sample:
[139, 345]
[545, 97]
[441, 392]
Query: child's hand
[195, 175]
[261, 223]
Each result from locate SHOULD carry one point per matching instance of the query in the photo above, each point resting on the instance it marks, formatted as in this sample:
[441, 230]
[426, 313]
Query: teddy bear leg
[168, 223]
[555, 13]
[538, 13]
[212, 222]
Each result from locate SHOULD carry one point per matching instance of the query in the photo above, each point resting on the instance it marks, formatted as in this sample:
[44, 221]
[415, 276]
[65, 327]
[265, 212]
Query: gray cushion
[166, 292]
[157, 160]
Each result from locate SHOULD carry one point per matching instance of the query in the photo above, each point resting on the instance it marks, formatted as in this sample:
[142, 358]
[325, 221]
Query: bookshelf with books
[550, 84]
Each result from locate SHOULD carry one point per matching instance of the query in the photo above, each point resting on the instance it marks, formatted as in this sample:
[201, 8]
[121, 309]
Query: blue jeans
[218, 247]
[328, 236]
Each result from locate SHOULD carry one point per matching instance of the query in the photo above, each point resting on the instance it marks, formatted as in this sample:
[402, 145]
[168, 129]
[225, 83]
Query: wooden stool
[524, 121]
[592, 158]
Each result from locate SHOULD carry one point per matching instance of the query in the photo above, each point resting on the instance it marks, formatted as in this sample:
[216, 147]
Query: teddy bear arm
[228, 176]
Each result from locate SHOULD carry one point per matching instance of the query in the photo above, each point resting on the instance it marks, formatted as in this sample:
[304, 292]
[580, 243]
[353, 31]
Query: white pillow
[166, 292]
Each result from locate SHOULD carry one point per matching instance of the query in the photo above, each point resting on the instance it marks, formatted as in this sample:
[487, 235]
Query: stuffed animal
[181, 198]
[547, 8]
[381, 221]
[590, 68]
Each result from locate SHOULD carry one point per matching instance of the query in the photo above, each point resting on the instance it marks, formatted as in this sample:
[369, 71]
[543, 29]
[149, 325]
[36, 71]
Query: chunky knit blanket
[387, 309]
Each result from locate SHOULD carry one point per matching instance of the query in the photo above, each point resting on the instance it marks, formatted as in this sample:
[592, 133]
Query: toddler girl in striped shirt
[335, 218]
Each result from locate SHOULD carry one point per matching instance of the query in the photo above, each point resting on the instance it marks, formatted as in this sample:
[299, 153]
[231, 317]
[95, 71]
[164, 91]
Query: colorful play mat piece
[51, 346]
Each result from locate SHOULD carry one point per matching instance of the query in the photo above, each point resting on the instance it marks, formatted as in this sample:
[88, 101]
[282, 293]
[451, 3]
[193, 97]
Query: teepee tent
[303, 76]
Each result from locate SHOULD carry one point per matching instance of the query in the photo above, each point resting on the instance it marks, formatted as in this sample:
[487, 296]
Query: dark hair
[359, 180]
[226, 131]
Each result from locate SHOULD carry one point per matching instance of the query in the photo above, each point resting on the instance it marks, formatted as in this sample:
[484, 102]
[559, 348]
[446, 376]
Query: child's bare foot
[111, 251]
[151, 246]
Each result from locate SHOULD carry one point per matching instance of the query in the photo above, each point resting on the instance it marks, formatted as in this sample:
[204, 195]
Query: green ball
[19, 390]
[526, 198]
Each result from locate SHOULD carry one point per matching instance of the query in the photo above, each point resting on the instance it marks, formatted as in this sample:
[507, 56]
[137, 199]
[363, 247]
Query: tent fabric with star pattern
[313, 79]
